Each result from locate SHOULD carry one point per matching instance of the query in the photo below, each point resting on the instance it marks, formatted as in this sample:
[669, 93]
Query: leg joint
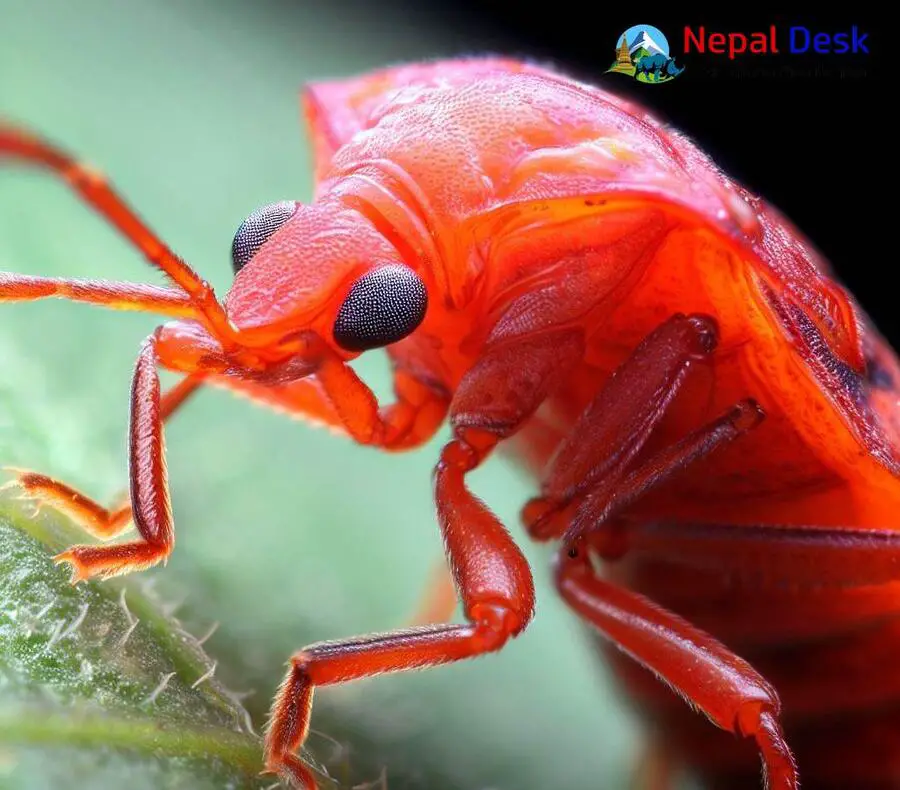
[496, 623]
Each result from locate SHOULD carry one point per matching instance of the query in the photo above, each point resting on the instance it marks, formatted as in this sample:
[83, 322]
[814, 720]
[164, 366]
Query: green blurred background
[285, 534]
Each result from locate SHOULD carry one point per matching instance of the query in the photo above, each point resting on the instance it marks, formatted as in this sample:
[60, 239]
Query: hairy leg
[732, 694]
[601, 467]
[492, 577]
[149, 496]
[99, 521]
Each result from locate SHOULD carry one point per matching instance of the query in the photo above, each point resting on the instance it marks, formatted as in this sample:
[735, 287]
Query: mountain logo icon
[642, 52]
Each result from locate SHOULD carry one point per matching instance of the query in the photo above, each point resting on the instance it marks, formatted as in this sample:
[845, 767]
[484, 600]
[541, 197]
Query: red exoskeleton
[712, 420]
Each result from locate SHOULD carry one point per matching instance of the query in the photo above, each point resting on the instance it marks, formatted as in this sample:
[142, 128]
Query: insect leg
[497, 593]
[492, 577]
[614, 428]
[605, 501]
[151, 508]
[18, 144]
[732, 694]
[337, 398]
[97, 520]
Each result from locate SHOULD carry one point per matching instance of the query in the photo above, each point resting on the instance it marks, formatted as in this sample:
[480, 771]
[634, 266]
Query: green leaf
[100, 669]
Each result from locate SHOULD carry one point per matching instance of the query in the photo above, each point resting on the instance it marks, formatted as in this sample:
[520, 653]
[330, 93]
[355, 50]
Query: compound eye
[383, 306]
[257, 228]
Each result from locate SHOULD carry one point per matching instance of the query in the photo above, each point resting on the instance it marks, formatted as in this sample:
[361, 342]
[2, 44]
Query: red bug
[712, 419]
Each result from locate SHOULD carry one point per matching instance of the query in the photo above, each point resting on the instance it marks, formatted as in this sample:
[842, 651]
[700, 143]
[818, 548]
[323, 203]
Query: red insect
[712, 420]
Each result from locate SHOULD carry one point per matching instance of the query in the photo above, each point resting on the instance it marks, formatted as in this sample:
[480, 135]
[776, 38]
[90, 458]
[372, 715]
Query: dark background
[793, 128]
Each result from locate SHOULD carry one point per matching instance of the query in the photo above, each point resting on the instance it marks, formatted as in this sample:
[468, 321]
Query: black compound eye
[383, 306]
[256, 229]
